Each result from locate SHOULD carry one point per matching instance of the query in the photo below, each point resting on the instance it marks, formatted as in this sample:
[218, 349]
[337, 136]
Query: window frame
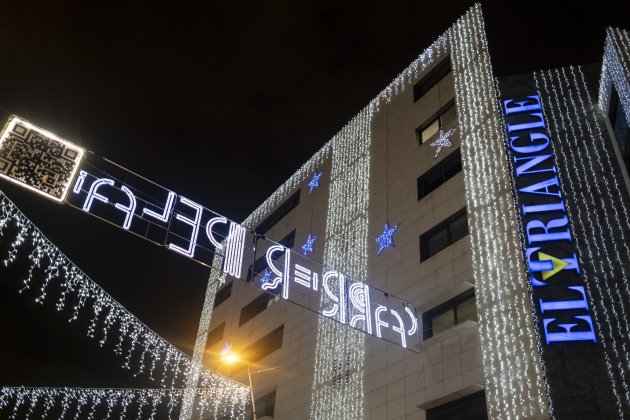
[437, 116]
[425, 251]
[453, 160]
[223, 294]
[254, 269]
[432, 78]
[251, 353]
[472, 406]
[449, 305]
[211, 340]
[279, 213]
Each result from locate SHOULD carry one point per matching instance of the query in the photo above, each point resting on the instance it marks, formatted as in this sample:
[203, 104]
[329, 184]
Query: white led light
[400, 329]
[359, 294]
[194, 223]
[235, 247]
[164, 216]
[13, 121]
[414, 321]
[275, 282]
[302, 276]
[94, 195]
[378, 321]
[129, 209]
[79, 183]
[135, 342]
[210, 225]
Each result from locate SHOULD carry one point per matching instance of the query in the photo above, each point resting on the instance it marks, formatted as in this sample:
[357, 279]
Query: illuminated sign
[157, 214]
[554, 271]
[37, 159]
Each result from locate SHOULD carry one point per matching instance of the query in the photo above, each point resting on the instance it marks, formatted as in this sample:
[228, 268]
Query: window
[256, 306]
[449, 314]
[444, 234]
[265, 406]
[620, 127]
[215, 335]
[439, 174]
[265, 346]
[432, 78]
[223, 294]
[470, 407]
[440, 119]
[284, 209]
[261, 263]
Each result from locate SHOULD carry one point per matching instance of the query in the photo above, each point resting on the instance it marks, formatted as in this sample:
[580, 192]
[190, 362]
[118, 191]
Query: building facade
[510, 204]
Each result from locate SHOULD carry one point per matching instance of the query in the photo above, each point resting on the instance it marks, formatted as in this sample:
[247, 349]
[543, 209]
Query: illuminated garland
[347, 223]
[116, 403]
[616, 69]
[143, 350]
[592, 218]
[515, 386]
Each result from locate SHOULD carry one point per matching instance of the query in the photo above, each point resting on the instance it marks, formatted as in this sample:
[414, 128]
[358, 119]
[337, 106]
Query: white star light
[442, 141]
[385, 240]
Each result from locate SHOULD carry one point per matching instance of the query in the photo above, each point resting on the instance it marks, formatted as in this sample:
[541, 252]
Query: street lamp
[229, 357]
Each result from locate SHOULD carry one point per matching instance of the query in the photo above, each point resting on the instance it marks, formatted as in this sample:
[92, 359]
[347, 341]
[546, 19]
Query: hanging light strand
[134, 341]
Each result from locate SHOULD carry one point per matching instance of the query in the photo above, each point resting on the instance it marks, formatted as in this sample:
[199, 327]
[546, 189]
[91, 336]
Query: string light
[616, 70]
[515, 385]
[134, 340]
[592, 218]
[22, 402]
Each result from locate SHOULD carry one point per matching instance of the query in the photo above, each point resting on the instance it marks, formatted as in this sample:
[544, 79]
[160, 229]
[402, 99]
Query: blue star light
[385, 240]
[308, 246]
[265, 278]
[315, 181]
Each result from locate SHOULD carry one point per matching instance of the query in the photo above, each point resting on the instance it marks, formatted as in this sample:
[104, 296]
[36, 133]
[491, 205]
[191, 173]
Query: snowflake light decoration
[385, 240]
[315, 181]
[265, 278]
[308, 246]
[442, 141]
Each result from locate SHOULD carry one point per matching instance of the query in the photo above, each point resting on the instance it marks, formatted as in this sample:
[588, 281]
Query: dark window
[620, 127]
[470, 407]
[261, 263]
[265, 346]
[223, 294]
[284, 209]
[256, 306]
[449, 314]
[432, 78]
[439, 120]
[439, 174]
[265, 406]
[444, 234]
[215, 335]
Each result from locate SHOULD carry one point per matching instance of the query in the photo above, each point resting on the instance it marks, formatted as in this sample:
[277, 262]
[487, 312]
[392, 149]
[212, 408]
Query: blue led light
[265, 278]
[314, 182]
[308, 246]
[385, 240]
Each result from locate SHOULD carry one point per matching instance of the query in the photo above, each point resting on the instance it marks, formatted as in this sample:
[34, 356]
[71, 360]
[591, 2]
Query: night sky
[221, 104]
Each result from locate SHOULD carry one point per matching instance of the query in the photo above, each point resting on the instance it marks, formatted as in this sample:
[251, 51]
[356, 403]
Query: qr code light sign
[37, 159]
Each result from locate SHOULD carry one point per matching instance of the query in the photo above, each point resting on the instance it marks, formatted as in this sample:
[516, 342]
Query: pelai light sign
[39, 160]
